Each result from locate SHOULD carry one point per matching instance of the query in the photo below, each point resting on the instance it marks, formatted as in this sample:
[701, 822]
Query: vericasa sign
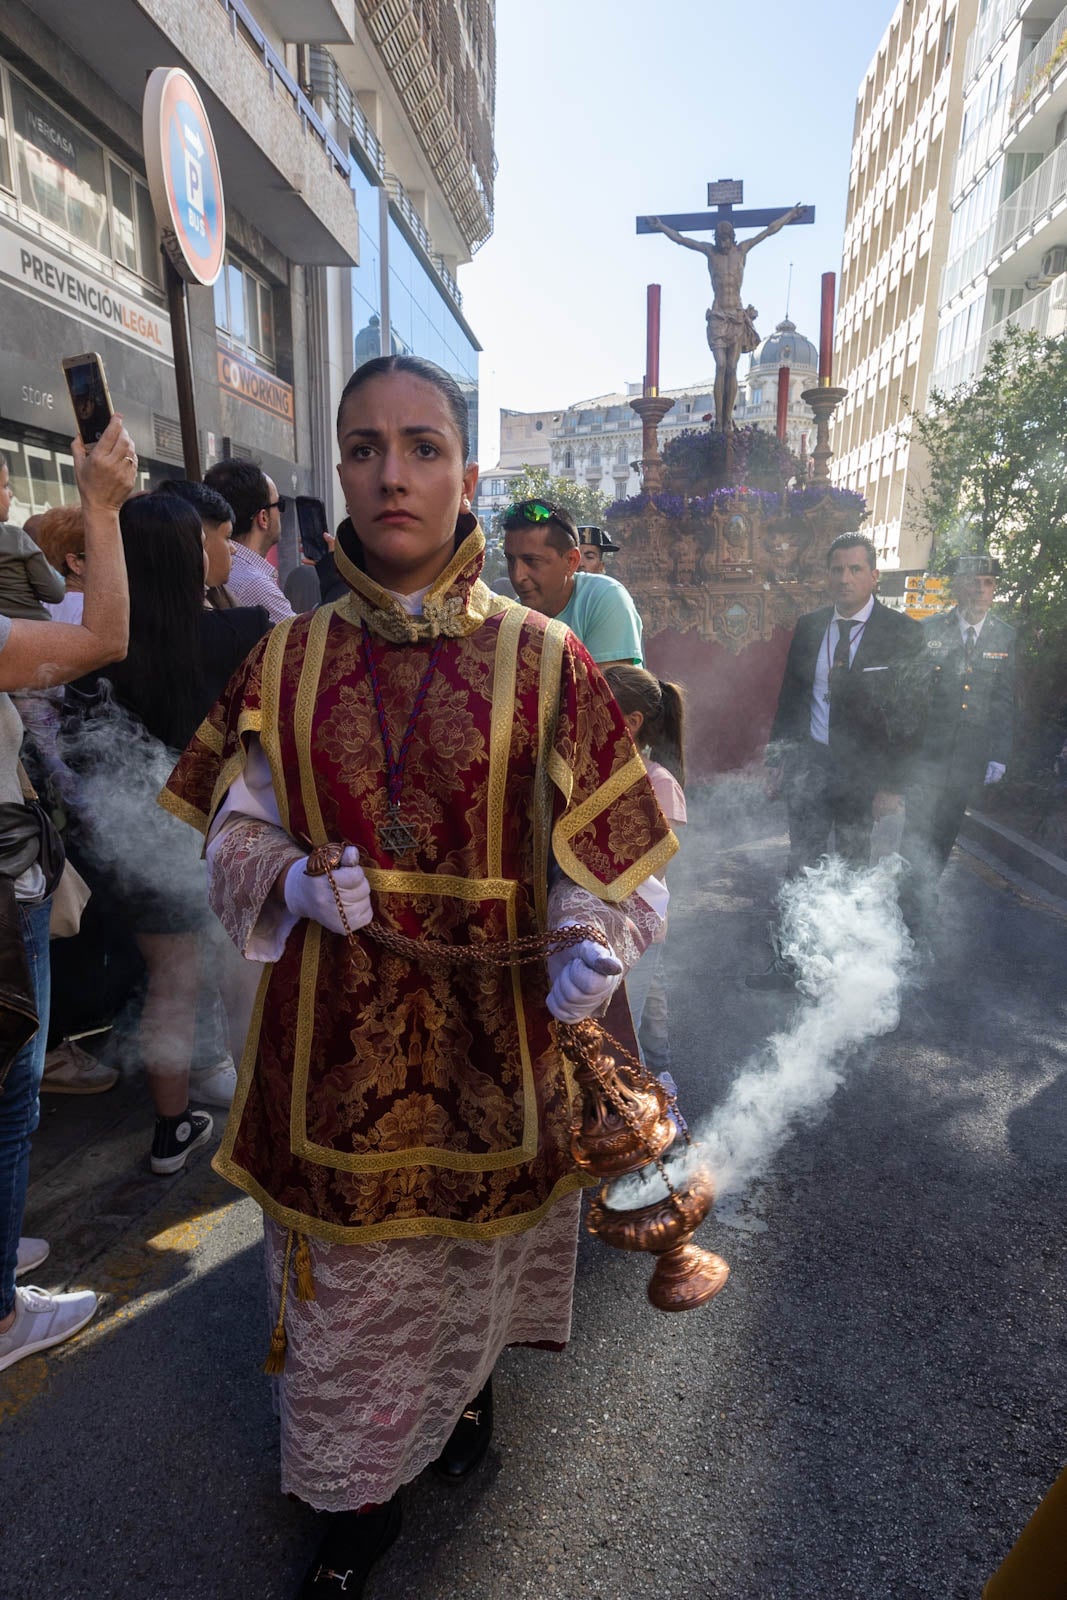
[184, 176]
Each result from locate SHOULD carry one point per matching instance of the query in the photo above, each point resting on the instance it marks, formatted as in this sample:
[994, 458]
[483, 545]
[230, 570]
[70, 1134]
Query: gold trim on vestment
[270, 696]
[442, 612]
[245, 1072]
[182, 810]
[408, 884]
[399, 1227]
[572, 823]
[208, 734]
[304, 722]
[501, 725]
[552, 649]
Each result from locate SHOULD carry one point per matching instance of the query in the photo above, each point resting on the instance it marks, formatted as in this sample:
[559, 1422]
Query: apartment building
[1007, 254]
[355, 142]
[909, 113]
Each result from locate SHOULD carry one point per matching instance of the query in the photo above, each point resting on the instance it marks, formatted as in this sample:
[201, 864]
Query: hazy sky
[610, 109]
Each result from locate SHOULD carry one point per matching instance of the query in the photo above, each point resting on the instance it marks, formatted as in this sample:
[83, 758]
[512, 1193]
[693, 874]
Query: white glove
[314, 898]
[994, 772]
[584, 977]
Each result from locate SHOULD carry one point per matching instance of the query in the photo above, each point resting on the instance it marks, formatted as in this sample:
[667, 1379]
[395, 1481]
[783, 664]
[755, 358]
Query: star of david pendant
[394, 836]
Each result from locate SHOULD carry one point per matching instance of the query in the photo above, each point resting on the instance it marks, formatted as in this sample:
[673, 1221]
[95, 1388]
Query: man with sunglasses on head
[543, 553]
[257, 526]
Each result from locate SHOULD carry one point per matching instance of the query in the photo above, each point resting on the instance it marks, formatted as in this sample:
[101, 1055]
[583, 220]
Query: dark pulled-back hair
[849, 541]
[161, 679]
[244, 485]
[559, 528]
[662, 707]
[208, 502]
[417, 368]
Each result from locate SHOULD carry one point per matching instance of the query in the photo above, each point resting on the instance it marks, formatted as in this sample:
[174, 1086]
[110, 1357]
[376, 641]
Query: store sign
[252, 383]
[44, 275]
[184, 175]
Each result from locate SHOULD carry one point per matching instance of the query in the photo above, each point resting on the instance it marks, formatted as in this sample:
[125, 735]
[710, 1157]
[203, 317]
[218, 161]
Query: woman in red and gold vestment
[405, 1125]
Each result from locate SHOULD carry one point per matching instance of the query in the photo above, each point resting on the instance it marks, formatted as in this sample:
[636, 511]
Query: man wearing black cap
[594, 544]
[968, 736]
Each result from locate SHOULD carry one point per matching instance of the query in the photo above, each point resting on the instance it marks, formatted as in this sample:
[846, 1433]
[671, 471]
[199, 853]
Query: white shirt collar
[964, 625]
[411, 603]
[859, 616]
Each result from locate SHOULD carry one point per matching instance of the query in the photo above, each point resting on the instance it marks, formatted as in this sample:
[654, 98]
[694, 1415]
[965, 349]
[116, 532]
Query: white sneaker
[68, 1069]
[214, 1086]
[31, 1253]
[42, 1320]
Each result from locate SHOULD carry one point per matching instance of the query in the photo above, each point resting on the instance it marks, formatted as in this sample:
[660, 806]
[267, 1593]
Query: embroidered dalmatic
[384, 1100]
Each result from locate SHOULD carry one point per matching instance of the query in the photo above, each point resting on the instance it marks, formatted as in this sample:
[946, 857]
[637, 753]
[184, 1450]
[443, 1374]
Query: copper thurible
[627, 1120]
[623, 1121]
[685, 1275]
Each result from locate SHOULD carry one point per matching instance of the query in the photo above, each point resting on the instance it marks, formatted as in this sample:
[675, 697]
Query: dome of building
[785, 347]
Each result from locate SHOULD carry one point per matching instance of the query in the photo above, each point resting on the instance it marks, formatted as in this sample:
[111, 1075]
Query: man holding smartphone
[257, 527]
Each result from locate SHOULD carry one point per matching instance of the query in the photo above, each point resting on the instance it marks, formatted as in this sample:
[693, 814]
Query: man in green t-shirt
[545, 567]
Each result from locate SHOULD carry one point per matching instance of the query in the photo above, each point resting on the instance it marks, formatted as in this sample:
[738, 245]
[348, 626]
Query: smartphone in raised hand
[89, 394]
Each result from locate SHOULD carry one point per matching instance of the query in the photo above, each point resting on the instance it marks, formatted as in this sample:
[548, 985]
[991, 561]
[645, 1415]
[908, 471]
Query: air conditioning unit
[1053, 262]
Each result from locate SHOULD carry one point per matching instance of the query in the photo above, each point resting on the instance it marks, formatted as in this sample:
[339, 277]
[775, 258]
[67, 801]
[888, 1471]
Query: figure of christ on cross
[731, 325]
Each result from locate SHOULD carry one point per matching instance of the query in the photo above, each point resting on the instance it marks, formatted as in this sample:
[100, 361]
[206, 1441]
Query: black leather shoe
[353, 1542]
[469, 1439]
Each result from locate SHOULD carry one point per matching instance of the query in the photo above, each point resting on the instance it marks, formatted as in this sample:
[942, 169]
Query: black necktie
[970, 640]
[843, 651]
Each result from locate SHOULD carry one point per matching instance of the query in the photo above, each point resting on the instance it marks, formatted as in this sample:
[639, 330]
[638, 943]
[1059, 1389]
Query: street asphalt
[869, 1411]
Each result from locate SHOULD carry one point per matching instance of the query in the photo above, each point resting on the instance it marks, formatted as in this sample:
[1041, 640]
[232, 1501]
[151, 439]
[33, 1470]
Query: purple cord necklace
[395, 836]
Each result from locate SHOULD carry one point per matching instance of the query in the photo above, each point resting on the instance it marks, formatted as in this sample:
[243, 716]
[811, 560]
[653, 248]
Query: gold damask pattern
[382, 1099]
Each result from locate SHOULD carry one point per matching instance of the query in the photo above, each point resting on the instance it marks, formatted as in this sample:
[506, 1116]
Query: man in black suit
[849, 716]
[968, 736]
[849, 712]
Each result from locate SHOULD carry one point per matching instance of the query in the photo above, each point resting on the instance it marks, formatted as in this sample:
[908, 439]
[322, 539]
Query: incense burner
[624, 1123]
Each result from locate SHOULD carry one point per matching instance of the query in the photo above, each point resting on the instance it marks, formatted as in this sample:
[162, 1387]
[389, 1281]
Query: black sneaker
[352, 1544]
[176, 1136]
[469, 1439]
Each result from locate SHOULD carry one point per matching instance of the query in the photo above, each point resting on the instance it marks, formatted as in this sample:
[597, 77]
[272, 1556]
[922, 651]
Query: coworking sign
[184, 175]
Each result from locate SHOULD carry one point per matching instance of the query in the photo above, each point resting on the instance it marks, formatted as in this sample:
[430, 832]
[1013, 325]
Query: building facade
[1007, 255]
[339, 211]
[909, 113]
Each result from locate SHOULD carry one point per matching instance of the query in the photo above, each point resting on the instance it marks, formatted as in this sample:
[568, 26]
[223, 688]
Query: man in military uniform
[971, 656]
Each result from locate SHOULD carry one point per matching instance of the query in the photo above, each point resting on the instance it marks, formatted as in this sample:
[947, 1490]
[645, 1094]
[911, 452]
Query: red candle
[826, 329]
[652, 341]
[783, 401]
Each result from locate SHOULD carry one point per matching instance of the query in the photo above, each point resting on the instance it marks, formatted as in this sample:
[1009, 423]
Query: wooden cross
[723, 196]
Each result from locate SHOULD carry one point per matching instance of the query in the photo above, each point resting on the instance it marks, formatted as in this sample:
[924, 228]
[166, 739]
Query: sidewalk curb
[1031, 861]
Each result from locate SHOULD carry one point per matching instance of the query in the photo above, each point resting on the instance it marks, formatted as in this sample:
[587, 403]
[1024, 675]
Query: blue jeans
[19, 1105]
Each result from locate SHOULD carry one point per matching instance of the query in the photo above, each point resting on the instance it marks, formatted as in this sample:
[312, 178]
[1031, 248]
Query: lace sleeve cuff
[629, 927]
[244, 861]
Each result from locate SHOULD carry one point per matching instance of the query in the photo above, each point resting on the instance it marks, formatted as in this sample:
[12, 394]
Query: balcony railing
[242, 21]
[1042, 190]
[415, 225]
[1042, 64]
[967, 265]
[1046, 312]
[983, 143]
[988, 33]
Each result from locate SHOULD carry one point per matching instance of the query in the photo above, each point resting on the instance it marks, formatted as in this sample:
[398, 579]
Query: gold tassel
[275, 1362]
[305, 1281]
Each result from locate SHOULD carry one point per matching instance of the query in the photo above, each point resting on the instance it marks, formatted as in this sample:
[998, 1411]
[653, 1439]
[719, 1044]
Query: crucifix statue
[730, 323]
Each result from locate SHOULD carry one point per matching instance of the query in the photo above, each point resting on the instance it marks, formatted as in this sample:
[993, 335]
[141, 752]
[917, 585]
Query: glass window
[5, 150]
[60, 169]
[125, 229]
[235, 290]
[147, 237]
[222, 315]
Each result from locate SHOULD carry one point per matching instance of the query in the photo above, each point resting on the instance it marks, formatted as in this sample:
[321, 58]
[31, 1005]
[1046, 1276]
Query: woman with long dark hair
[126, 724]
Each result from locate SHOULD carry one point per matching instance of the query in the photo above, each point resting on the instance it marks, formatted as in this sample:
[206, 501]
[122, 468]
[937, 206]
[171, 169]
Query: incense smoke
[843, 931]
